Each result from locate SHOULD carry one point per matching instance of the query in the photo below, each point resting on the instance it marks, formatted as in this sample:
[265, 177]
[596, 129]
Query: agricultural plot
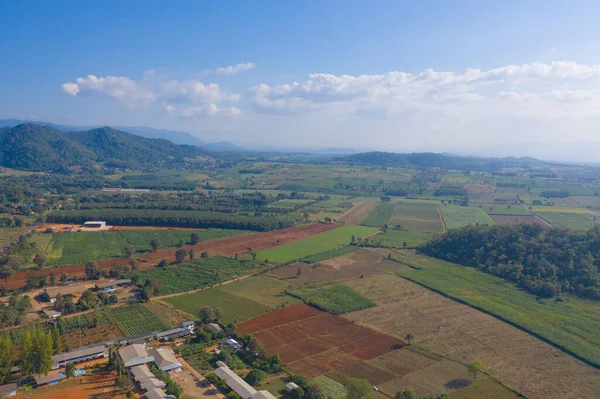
[516, 219]
[90, 336]
[134, 320]
[443, 326]
[290, 203]
[575, 221]
[379, 216]
[400, 239]
[562, 209]
[331, 388]
[460, 216]
[503, 209]
[417, 217]
[332, 298]
[332, 202]
[316, 244]
[171, 317]
[357, 213]
[484, 387]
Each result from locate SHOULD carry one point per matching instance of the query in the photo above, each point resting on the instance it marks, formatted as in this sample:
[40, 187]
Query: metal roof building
[50, 379]
[174, 333]
[238, 385]
[156, 393]
[134, 355]
[8, 390]
[78, 355]
[141, 373]
[165, 359]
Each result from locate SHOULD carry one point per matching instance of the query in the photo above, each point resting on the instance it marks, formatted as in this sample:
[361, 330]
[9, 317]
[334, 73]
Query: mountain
[175, 136]
[431, 160]
[43, 148]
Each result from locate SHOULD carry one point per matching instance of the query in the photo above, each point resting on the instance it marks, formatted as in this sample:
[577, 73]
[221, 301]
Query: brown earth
[89, 336]
[100, 385]
[226, 247]
[357, 213]
[65, 228]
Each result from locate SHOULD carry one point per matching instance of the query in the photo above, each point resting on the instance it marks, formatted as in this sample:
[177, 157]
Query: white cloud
[186, 98]
[233, 69]
[557, 88]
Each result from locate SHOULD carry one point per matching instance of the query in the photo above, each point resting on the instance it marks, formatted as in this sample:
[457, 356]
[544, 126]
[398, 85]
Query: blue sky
[493, 78]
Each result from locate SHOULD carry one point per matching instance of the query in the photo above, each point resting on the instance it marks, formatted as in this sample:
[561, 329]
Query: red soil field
[312, 342]
[226, 246]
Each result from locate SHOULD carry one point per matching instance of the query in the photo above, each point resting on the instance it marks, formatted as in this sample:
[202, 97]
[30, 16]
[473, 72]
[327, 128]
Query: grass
[316, 244]
[200, 273]
[397, 238]
[331, 388]
[562, 209]
[573, 221]
[379, 216]
[460, 216]
[417, 217]
[333, 298]
[571, 324]
[134, 320]
[329, 254]
[238, 301]
[502, 209]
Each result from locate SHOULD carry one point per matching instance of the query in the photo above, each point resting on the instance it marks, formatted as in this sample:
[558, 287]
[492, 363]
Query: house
[49, 294]
[152, 383]
[79, 355]
[135, 355]
[214, 327]
[238, 385]
[165, 359]
[113, 285]
[156, 393]
[94, 225]
[233, 343]
[50, 379]
[8, 390]
[52, 313]
[174, 333]
[290, 386]
[141, 373]
[190, 325]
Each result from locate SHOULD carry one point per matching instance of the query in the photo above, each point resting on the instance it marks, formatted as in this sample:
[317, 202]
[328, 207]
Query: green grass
[572, 324]
[460, 216]
[379, 216]
[135, 319]
[484, 387]
[316, 244]
[502, 209]
[333, 298]
[200, 273]
[573, 221]
[170, 238]
[417, 217]
[330, 254]
[331, 388]
[268, 291]
[397, 238]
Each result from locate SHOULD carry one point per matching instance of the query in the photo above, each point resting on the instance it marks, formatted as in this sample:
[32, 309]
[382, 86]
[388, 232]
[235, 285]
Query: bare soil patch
[90, 336]
[280, 317]
[357, 213]
[99, 385]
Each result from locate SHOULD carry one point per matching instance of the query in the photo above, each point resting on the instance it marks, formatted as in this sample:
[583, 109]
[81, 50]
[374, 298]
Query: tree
[192, 254]
[163, 263]
[195, 238]
[6, 359]
[155, 244]
[180, 255]
[52, 279]
[26, 354]
[91, 270]
[40, 260]
[70, 370]
[180, 243]
[63, 277]
[409, 338]
[299, 272]
[7, 271]
[56, 341]
[129, 251]
[135, 265]
[206, 314]
[408, 393]
[60, 301]
[255, 377]
[217, 314]
[358, 388]
[475, 368]
[154, 285]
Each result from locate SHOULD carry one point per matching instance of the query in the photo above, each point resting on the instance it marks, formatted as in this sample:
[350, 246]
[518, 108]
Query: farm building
[135, 355]
[49, 294]
[8, 390]
[214, 327]
[290, 386]
[50, 379]
[238, 385]
[174, 333]
[190, 325]
[138, 339]
[52, 313]
[79, 355]
[165, 359]
[141, 373]
[113, 285]
[94, 225]
[156, 393]
[233, 343]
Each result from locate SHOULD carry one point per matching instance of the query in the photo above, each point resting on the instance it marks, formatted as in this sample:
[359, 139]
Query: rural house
[238, 385]
[94, 225]
[290, 386]
[174, 333]
[49, 294]
[50, 379]
[143, 376]
[214, 327]
[165, 359]
[113, 285]
[190, 325]
[8, 390]
[156, 393]
[79, 355]
[135, 355]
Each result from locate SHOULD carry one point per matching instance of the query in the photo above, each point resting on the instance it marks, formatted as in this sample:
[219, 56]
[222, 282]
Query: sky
[492, 78]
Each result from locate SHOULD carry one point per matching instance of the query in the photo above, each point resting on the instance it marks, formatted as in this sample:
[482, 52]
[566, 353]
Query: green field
[72, 248]
[503, 209]
[379, 216]
[460, 216]
[332, 298]
[417, 217]
[573, 221]
[199, 273]
[331, 388]
[572, 324]
[322, 242]
[329, 254]
[134, 320]
[290, 203]
[238, 301]
[397, 238]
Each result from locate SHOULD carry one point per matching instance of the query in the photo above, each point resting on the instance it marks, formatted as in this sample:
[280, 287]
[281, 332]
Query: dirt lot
[226, 246]
[446, 327]
[514, 219]
[357, 213]
[97, 385]
[352, 265]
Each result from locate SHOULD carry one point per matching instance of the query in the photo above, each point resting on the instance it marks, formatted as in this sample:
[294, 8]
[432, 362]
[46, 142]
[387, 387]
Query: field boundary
[441, 219]
[511, 323]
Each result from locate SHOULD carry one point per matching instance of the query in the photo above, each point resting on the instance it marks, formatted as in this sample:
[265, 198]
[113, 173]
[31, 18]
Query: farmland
[319, 243]
[379, 216]
[575, 221]
[448, 328]
[332, 298]
[397, 239]
[417, 217]
[515, 219]
[357, 213]
[135, 319]
[460, 216]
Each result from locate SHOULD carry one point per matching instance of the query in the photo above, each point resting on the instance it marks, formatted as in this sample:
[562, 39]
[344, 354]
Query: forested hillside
[42, 148]
[543, 261]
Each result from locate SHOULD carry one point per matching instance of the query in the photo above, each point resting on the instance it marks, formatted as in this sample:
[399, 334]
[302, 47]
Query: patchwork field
[379, 216]
[575, 221]
[460, 216]
[417, 217]
[357, 213]
[316, 244]
[443, 326]
[516, 219]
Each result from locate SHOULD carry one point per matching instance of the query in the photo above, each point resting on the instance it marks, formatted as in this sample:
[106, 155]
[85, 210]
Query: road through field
[226, 247]
[441, 219]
